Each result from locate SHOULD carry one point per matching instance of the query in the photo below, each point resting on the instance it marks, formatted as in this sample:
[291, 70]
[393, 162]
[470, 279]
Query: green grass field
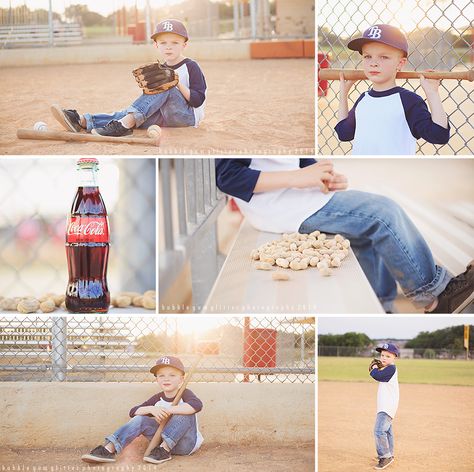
[413, 371]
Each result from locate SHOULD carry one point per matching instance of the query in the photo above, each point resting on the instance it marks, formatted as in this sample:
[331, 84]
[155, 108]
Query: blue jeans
[180, 433]
[386, 243]
[168, 109]
[383, 435]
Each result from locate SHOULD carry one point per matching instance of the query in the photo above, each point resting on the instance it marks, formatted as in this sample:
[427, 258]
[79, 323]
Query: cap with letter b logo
[386, 34]
[167, 361]
[170, 26]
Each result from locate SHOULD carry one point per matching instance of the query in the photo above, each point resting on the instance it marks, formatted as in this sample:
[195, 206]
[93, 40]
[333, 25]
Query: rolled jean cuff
[386, 456]
[428, 293]
[115, 442]
[137, 114]
[171, 444]
[89, 122]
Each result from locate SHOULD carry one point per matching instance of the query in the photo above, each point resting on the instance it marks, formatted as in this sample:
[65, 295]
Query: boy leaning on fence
[180, 106]
[388, 119]
[180, 436]
[385, 372]
[285, 195]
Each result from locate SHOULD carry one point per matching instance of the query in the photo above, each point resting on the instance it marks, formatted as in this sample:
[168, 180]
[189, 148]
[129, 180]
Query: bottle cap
[87, 163]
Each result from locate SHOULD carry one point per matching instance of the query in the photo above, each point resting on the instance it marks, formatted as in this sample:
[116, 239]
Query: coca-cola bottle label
[86, 229]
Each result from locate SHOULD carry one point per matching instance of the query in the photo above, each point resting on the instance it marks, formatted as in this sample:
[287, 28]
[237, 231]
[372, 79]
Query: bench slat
[240, 288]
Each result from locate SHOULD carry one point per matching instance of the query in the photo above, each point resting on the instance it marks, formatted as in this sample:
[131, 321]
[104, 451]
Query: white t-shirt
[281, 211]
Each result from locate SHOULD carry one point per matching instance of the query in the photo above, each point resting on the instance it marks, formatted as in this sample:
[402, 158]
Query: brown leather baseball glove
[375, 363]
[155, 78]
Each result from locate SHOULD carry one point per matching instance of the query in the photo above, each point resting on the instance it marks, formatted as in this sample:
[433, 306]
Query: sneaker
[69, 119]
[99, 454]
[383, 463]
[158, 455]
[113, 128]
[458, 294]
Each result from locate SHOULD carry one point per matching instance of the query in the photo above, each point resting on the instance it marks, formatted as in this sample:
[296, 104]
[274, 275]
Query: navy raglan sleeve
[191, 399]
[150, 402]
[345, 129]
[197, 85]
[234, 177]
[307, 162]
[419, 119]
[383, 375]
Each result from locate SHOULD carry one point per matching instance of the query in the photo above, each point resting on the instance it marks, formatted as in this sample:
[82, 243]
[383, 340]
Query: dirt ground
[209, 457]
[433, 428]
[253, 107]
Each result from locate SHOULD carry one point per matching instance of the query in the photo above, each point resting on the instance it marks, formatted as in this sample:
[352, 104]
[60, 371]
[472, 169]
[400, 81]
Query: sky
[104, 7]
[389, 327]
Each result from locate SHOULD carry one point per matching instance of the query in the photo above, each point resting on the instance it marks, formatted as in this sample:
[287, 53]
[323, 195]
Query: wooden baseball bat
[155, 440]
[354, 74]
[82, 137]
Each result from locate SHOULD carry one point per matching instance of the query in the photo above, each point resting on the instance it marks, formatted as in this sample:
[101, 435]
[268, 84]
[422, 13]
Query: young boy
[284, 195]
[181, 434]
[180, 106]
[387, 403]
[388, 119]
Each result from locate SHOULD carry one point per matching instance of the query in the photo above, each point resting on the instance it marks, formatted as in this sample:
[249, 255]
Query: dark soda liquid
[87, 290]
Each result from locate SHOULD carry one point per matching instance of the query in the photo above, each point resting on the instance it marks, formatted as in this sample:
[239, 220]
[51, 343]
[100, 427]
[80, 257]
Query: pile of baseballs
[52, 302]
[299, 251]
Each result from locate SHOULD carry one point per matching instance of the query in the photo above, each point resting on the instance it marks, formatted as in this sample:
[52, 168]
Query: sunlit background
[35, 199]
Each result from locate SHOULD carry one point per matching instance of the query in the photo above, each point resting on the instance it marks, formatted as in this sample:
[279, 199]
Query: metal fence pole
[59, 348]
[181, 196]
[236, 18]
[165, 173]
[50, 23]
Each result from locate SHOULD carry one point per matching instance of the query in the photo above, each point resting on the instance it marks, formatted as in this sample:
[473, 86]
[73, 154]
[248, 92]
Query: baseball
[40, 126]
[154, 131]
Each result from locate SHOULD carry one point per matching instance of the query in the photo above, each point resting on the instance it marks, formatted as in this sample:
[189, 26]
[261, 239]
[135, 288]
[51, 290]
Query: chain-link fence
[35, 200]
[440, 36]
[189, 206]
[123, 349]
[68, 22]
[405, 353]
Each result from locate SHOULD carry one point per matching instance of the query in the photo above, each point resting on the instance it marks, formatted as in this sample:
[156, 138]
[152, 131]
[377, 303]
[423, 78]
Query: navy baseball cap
[388, 347]
[167, 361]
[170, 26]
[385, 34]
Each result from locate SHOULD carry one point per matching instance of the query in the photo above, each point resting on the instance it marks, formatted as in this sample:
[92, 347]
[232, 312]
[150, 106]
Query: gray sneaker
[383, 463]
[158, 455]
[458, 294]
[99, 455]
[69, 119]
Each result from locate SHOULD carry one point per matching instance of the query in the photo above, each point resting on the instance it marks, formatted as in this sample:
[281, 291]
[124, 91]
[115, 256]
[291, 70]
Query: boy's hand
[345, 85]
[159, 413]
[430, 86]
[338, 182]
[315, 175]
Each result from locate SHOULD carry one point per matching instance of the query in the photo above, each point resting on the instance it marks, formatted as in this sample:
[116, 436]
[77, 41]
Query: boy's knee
[142, 420]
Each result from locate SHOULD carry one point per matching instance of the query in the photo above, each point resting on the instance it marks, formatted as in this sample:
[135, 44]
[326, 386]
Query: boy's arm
[344, 89]
[143, 409]
[307, 162]
[420, 120]
[196, 93]
[346, 125]
[190, 405]
[235, 178]
[383, 375]
[438, 115]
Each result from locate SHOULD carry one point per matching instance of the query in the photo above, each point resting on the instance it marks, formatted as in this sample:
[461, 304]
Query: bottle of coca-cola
[87, 245]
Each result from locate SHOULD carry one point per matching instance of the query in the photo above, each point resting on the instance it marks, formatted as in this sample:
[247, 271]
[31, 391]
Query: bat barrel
[354, 74]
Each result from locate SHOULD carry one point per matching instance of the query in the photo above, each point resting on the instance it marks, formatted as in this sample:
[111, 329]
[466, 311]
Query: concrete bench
[39, 35]
[240, 288]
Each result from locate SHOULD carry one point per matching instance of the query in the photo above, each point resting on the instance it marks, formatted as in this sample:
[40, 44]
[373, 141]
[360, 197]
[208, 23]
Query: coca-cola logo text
[92, 228]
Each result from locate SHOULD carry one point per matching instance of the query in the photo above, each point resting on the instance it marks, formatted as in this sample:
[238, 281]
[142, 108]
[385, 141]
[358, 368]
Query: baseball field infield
[222, 458]
[433, 426]
[413, 371]
[248, 108]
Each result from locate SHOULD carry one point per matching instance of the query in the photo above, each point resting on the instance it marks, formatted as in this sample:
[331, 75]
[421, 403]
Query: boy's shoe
[113, 128]
[158, 455]
[458, 293]
[99, 454]
[69, 119]
[383, 463]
